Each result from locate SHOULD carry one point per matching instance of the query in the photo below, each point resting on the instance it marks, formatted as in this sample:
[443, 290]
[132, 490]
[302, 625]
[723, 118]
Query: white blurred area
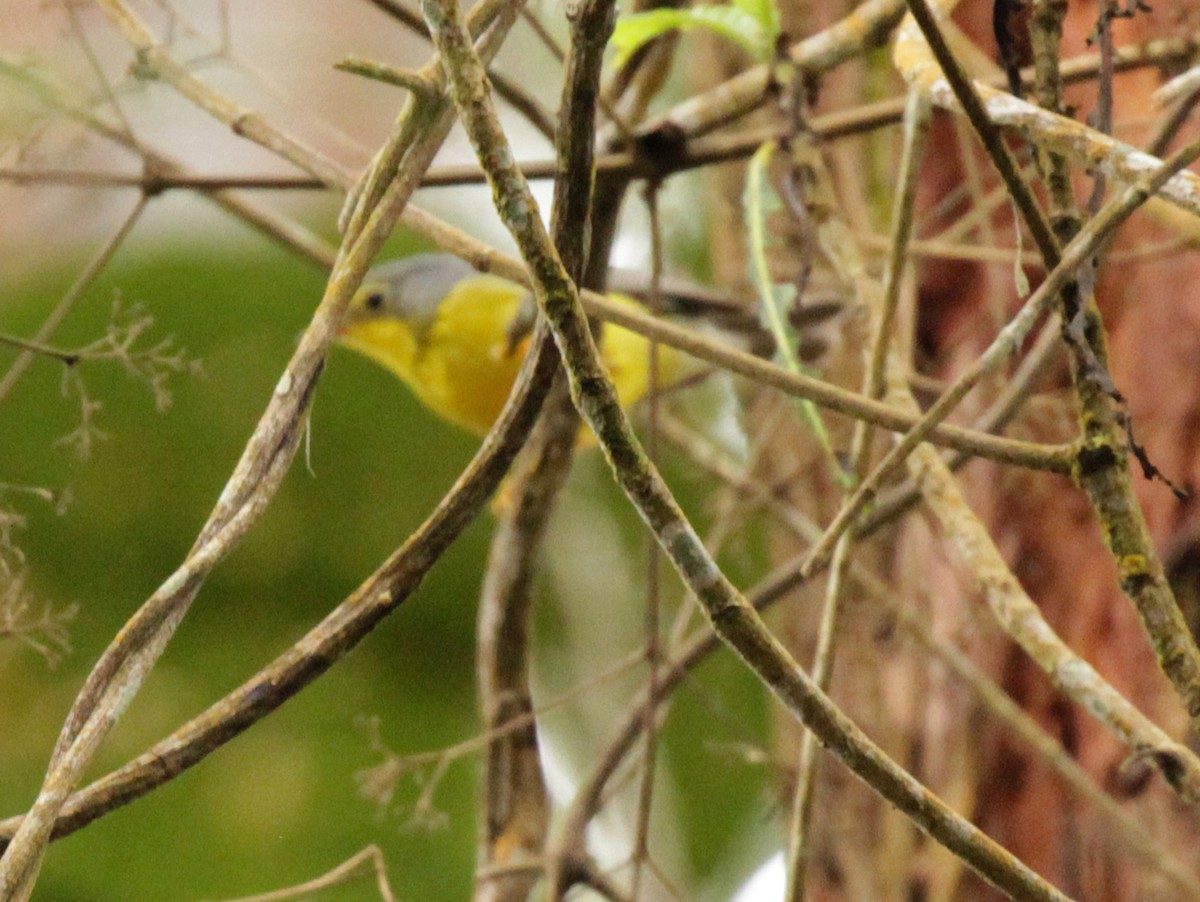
[767, 884]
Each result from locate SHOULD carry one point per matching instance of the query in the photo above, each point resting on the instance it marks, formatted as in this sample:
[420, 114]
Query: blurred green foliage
[279, 804]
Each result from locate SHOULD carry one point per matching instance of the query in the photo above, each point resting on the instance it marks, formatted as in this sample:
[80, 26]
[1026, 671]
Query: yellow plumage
[457, 338]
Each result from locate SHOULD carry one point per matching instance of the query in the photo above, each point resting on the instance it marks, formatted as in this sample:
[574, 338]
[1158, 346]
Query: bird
[457, 337]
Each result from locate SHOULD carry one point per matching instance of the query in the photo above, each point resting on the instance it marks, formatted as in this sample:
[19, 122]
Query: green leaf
[766, 13]
[759, 201]
[739, 26]
[1018, 266]
[634, 30]
[740, 23]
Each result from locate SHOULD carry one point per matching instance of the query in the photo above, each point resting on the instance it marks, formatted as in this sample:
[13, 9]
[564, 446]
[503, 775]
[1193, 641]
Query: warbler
[457, 337]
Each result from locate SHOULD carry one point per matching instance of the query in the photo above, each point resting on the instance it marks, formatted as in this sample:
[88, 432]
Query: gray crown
[415, 286]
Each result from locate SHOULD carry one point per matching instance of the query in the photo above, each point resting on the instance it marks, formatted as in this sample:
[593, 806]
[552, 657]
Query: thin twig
[67, 303]
[653, 616]
[364, 862]
[516, 96]
[868, 25]
[695, 153]
[874, 383]
[1010, 339]
[275, 226]
[515, 809]
[154, 61]
[991, 696]
[70, 358]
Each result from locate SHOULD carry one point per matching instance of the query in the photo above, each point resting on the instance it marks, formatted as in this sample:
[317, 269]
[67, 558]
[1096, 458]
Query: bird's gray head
[410, 289]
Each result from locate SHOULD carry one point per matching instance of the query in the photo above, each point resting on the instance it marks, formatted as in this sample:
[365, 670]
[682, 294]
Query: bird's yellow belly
[467, 383]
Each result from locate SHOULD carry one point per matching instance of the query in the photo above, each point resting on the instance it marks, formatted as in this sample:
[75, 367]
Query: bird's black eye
[374, 301]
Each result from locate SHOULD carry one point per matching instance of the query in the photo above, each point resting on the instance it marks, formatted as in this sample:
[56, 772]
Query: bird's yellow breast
[463, 364]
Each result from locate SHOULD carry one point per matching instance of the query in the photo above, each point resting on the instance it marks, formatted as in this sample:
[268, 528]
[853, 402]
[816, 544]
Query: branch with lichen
[1103, 466]
[422, 125]
[731, 615]
[515, 811]
[1046, 129]
[517, 97]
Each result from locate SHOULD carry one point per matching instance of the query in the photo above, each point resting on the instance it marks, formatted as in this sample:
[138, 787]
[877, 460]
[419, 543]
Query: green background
[279, 804]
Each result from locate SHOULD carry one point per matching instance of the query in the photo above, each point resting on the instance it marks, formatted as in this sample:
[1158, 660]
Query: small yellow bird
[457, 337]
